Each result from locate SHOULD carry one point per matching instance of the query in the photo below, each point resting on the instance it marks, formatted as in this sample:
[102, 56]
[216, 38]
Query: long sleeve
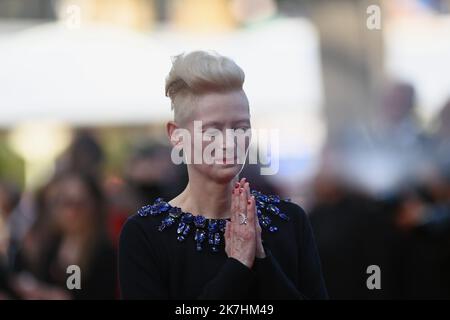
[141, 274]
[271, 280]
[233, 281]
[274, 284]
[311, 279]
[143, 270]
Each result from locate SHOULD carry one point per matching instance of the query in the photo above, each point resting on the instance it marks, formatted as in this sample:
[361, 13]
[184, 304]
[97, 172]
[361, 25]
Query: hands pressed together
[243, 241]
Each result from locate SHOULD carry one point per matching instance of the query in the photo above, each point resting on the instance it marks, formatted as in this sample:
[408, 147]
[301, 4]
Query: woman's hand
[241, 240]
[260, 253]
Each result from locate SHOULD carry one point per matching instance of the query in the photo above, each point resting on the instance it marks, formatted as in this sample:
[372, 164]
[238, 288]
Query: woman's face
[225, 122]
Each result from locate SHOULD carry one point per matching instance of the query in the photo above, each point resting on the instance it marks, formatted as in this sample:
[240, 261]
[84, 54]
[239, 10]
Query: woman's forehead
[222, 107]
[222, 100]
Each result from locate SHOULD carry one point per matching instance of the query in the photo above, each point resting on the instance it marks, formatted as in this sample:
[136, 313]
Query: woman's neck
[206, 198]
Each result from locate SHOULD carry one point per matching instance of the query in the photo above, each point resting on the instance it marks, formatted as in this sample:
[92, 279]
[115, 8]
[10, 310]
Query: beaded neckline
[207, 229]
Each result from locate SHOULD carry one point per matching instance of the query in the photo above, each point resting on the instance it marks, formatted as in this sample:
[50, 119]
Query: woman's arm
[274, 284]
[140, 268]
[141, 273]
[271, 280]
[311, 280]
[233, 281]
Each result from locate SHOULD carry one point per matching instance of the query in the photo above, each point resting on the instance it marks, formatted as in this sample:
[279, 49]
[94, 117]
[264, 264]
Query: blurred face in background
[73, 207]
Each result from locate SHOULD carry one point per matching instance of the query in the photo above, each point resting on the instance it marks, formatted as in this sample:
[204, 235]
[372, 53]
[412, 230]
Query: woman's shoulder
[151, 209]
[293, 209]
[273, 208]
[140, 233]
[153, 217]
[140, 223]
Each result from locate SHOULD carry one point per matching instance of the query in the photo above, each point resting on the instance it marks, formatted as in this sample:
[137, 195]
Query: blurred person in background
[442, 134]
[84, 155]
[401, 223]
[400, 140]
[38, 236]
[425, 223]
[74, 234]
[9, 199]
[424, 216]
[398, 121]
[353, 228]
[354, 231]
[146, 175]
[150, 175]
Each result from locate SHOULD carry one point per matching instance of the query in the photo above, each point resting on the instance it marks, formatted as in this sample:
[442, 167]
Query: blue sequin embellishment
[199, 238]
[211, 231]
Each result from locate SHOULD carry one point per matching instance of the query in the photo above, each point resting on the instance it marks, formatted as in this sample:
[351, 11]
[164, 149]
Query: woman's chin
[224, 173]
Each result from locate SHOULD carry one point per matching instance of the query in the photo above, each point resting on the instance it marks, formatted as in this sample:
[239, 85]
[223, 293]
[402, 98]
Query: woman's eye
[212, 132]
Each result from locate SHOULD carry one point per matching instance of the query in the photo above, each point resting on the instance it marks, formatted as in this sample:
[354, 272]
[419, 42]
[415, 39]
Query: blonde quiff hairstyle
[200, 72]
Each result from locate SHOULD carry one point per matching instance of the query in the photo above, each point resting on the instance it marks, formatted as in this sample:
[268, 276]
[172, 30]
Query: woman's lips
[229, 160]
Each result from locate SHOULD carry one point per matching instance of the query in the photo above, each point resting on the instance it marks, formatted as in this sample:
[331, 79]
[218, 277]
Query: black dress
[165, 253]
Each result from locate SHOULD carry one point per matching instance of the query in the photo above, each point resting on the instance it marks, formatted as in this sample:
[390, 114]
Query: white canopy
[98, 74]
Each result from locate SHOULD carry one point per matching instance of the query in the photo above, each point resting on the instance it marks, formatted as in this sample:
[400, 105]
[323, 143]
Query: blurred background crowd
[362, 111]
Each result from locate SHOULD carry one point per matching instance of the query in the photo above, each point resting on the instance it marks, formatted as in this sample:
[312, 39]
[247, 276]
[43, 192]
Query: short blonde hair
[199, 72]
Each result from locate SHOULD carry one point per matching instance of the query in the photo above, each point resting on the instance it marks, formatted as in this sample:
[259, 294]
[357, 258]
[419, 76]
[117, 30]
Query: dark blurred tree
[27, 9]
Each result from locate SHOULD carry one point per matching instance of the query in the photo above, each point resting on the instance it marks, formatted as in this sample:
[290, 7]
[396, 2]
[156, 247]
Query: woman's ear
[174, 138]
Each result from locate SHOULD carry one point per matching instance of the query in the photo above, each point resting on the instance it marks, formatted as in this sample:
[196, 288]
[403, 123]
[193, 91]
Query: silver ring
[243, 218]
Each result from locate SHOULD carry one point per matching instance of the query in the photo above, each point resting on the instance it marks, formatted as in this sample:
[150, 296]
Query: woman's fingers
[240, 240]
[227, 230]
[247, 189]
[251, 211]
[242, 202]
[227, 237]
[258, 225]
[235, 203]
[246, 185]
[250, 203]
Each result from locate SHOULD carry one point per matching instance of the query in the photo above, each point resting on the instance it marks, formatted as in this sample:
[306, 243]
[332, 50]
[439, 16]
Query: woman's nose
[230, 140]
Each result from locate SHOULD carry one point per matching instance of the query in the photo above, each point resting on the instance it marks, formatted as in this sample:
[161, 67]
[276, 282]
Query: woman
[207, 243]
[70, 231]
